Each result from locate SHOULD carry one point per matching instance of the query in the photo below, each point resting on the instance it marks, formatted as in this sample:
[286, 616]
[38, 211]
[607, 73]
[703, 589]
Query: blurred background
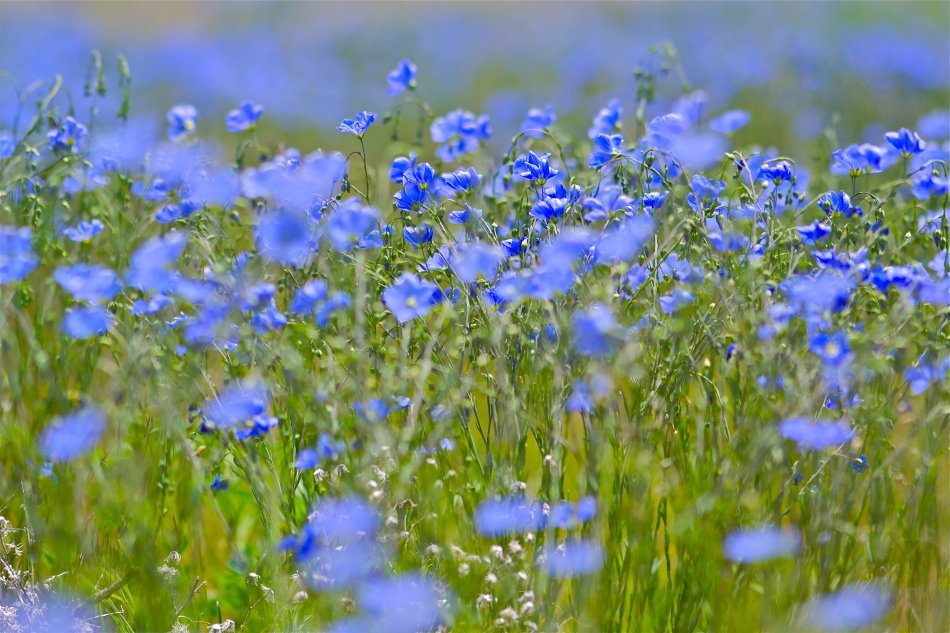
[799, 67]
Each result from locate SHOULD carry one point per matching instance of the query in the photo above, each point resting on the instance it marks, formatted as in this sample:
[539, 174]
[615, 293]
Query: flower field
[359, 331]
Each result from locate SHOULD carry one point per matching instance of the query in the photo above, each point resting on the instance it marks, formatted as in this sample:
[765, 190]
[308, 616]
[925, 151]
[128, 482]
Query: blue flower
[150, 263]
[537, 121]
[285, 237]
[606, 149]
[580, 400]
[401, 604]
[626, 242]
[85, 322]
[677, 299]
[507, 517]
[729, 122]
[237, 403]
[854, 606]
[462, 180]
[906, 142]
[607, 120]
[833, 349]
[357, 126]
[244, 117]
[68, 136]
[838, 202]
[349, 224]
[17, 258]
[813, 232]
[218, 484]
[410, 297]
[89, 283]
[458, 133]
[477, 260]
[308, 295]
[819, 293]
[537, 170]
[400, 165]
[574, 558]
[182, 121]
[776, 172]
[761, 544]
[402, 78]
[73, 435]
[84, 231]
[814, 436]
[418, 235]
[594, 330]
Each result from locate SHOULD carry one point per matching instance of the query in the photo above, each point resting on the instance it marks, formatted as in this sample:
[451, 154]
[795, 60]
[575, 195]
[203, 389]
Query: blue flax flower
[606, 149]
[285, 237]
[815, 436]
[607, 120]
[761, 544]
[89, 283]
[182, 121]
[537, 170]
[401, 78]
[854, 606]
[358, 125]
[237, 403]
[574, 558]
[73, 435]
[594, 330]
[537, 121]
[85, 322]
[906, 142]
[507, 517]
[17, 258]
[69, 136]
[84, 231]
[410, 297]
[244, 117]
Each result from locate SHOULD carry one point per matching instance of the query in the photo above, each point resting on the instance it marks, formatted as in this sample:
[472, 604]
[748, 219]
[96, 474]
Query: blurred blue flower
[401, 78]
[286, 238]
[813, 232]
[149, 265]
[607, 121]
[401, 604]
[730, 121]
[89, 283]
[85, 322]
[350, 223]
[458, 133]
[410, 297]
[758, 545]
[574, 558]
[507, 517]
[537, 121]
[69, 136]
[815, 436]
[182, 121]
[244, 117]
[74, 435]
[218, 484]
[854, 606]
[17, 258]
[477, 260]
[84, 231]
[239, 402]
[833, 349]
[595, 330]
